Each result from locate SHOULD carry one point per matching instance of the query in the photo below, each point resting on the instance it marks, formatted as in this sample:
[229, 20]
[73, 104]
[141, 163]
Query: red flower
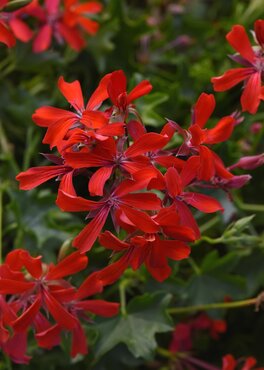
[60, 121]
[154, 248]
[197, 136]
[76, 14]
[120, 98]
[175, 184]
[12, 26]
[109, 155]
[252, 60]
[120, 203]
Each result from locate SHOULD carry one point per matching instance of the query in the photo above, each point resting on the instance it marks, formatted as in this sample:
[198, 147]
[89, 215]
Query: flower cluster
[252, 60]
[132, 177]
[65, 20]
[34, 294]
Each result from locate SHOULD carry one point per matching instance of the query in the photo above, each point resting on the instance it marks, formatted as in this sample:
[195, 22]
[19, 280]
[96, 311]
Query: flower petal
[250, 97]
[202, 202]
[203, 109]
[143, 88]
[231, 78]
[239, 40]
[70, 265]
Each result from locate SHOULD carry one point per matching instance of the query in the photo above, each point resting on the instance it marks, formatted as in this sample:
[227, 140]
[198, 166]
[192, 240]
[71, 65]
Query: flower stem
[212, 306]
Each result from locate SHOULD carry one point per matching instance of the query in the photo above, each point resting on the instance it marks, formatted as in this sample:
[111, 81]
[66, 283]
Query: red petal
[99, 307]
[92, 7]
[50, 337]
[239, 40]
[8, 286]
[135, 129]
[59, 313]
[72, 36]
[203, 109]
[231, 78]
[189, 171]
[146, 143]
[110, 241]
[21, 258]
[25, 320]
[98, 180]
[69, 203]
[43, 39]
[259, 31]
[20, 29]
[85, 240]
[89, 25]
[198, 135]
[79, 341]
[112, 129]
[202, 202]
[116, 86]
[38, 175]
[70, 265]
[100, 94]
[175, 250]
[207, 167]
[52, 6]
[143, 88]
[6, 36]
[72, 92]
[173, 182]
[187, 218]
[66, 184]
[140, 219]
[250, 98]
[229, 363]
[45, 116]
[222, 131]
[146, 201]
[57, 131]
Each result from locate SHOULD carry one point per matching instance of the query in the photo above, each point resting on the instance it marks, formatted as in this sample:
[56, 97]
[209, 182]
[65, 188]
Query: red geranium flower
[253, 62]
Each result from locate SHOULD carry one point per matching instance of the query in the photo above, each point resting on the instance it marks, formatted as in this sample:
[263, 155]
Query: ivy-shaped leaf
[145, 317]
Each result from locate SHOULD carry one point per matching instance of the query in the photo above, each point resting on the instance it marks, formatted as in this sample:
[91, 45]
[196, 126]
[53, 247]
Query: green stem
[122, 294]
[213, 306]
[248, 207]
[194, 265]
[207, 225]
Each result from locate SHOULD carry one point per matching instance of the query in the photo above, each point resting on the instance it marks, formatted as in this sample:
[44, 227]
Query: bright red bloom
[196, 137]
[76, 14]
[60, 121]
[109, 155]
[117, 90]
[64, 24]
[176, 182]
[154, 248]
[120, 203]
[41, 287]
[252, 60]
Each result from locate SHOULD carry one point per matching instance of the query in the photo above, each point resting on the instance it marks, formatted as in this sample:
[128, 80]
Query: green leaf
[145, 317]
[16, 4]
